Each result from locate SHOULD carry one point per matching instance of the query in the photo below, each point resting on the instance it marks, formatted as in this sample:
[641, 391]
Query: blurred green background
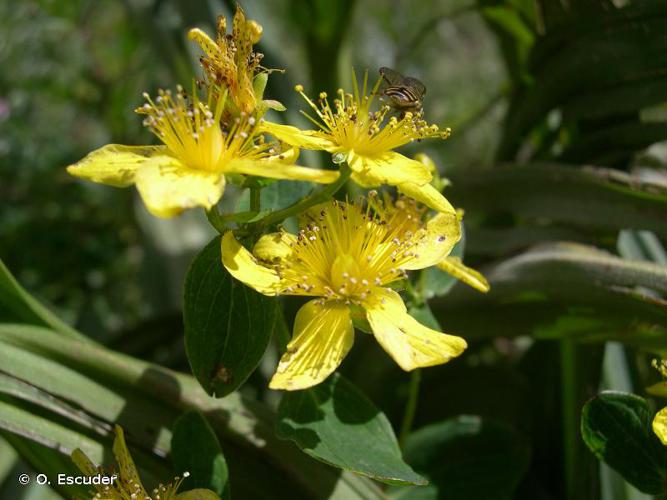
[536, 94]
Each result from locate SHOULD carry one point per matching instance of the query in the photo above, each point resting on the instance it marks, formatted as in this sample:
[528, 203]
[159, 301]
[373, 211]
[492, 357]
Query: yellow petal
[387, 168]
[127, 470]
[411, 344]
[115, 164]
[168, 187]
[83, 463]
[427, 195]
[660, 425]
[289, 156]
[208, 46]
[659, 389]
[280, 170]
[307, 139]
[323, 335]
[244, 267]
[426, 160]
[434, 242]
[455, 267]
[274, 247]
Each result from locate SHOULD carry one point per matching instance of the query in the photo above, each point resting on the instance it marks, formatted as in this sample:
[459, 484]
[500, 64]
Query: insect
[404, 92]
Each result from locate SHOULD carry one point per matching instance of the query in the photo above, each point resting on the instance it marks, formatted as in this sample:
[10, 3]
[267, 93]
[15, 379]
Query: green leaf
[467, 457]
[590, 201]
[195, 449]
[564, 290]
[274, 105]
[334, 422]
[616, 427]
[228, 325]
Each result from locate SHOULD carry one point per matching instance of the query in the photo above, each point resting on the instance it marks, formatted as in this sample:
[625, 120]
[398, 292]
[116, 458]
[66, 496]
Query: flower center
[193, 133]
[346, 250]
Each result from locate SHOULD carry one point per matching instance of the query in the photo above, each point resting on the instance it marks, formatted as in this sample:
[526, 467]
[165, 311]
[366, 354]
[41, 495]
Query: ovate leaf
[195, 449]
[227, 325]
[616, 427]
[336, 423]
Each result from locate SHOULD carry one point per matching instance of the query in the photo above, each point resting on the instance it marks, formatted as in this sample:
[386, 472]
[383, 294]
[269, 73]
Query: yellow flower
[127, 485]
[189, 170]
[230, 61]
[346, 255]
[660, 390]
[367, 139]
[411, 215]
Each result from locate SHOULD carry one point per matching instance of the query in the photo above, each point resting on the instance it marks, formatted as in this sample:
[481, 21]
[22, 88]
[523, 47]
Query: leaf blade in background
[228, 326]
[245, 427]
[564, 290]
[595, 203]
[467, 457]
[335, 423]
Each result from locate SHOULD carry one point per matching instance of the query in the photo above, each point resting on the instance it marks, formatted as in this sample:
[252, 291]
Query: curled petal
[274, 247]
[435, 241]
[660, 425]
[208, 46]
[428, 195]
[323, 335]
[128, 471]
[115, 164]
[168, 187]
[658, 389]
[244, 267]
[411, 344]
[455, 267]
[279, 170]
[307, 139]
[387, 168]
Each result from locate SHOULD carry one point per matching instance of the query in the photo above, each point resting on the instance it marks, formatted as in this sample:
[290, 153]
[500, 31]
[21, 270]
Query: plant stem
[219, 221]
[302, 205]
[410, 406]
[255, 199]
[215, 219]
[570, 414]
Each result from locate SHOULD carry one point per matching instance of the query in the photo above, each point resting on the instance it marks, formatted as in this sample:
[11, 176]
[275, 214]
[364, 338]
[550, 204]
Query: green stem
[302, 205]
[410, 406]
[570, 414]
[216, 219]
[255, 199]
[219, 221]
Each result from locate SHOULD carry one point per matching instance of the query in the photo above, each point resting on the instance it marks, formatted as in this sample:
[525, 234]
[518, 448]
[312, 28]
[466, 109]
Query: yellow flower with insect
[347, 255]
[189, 169]
[230, 62]
[660, 390]
[128, 485]
[366, 139]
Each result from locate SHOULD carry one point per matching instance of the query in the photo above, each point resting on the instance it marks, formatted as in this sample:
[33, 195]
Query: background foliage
[558, 110]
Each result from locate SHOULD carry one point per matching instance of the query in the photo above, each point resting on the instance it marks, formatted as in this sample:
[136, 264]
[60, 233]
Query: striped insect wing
[391, 77]
[417, 87]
